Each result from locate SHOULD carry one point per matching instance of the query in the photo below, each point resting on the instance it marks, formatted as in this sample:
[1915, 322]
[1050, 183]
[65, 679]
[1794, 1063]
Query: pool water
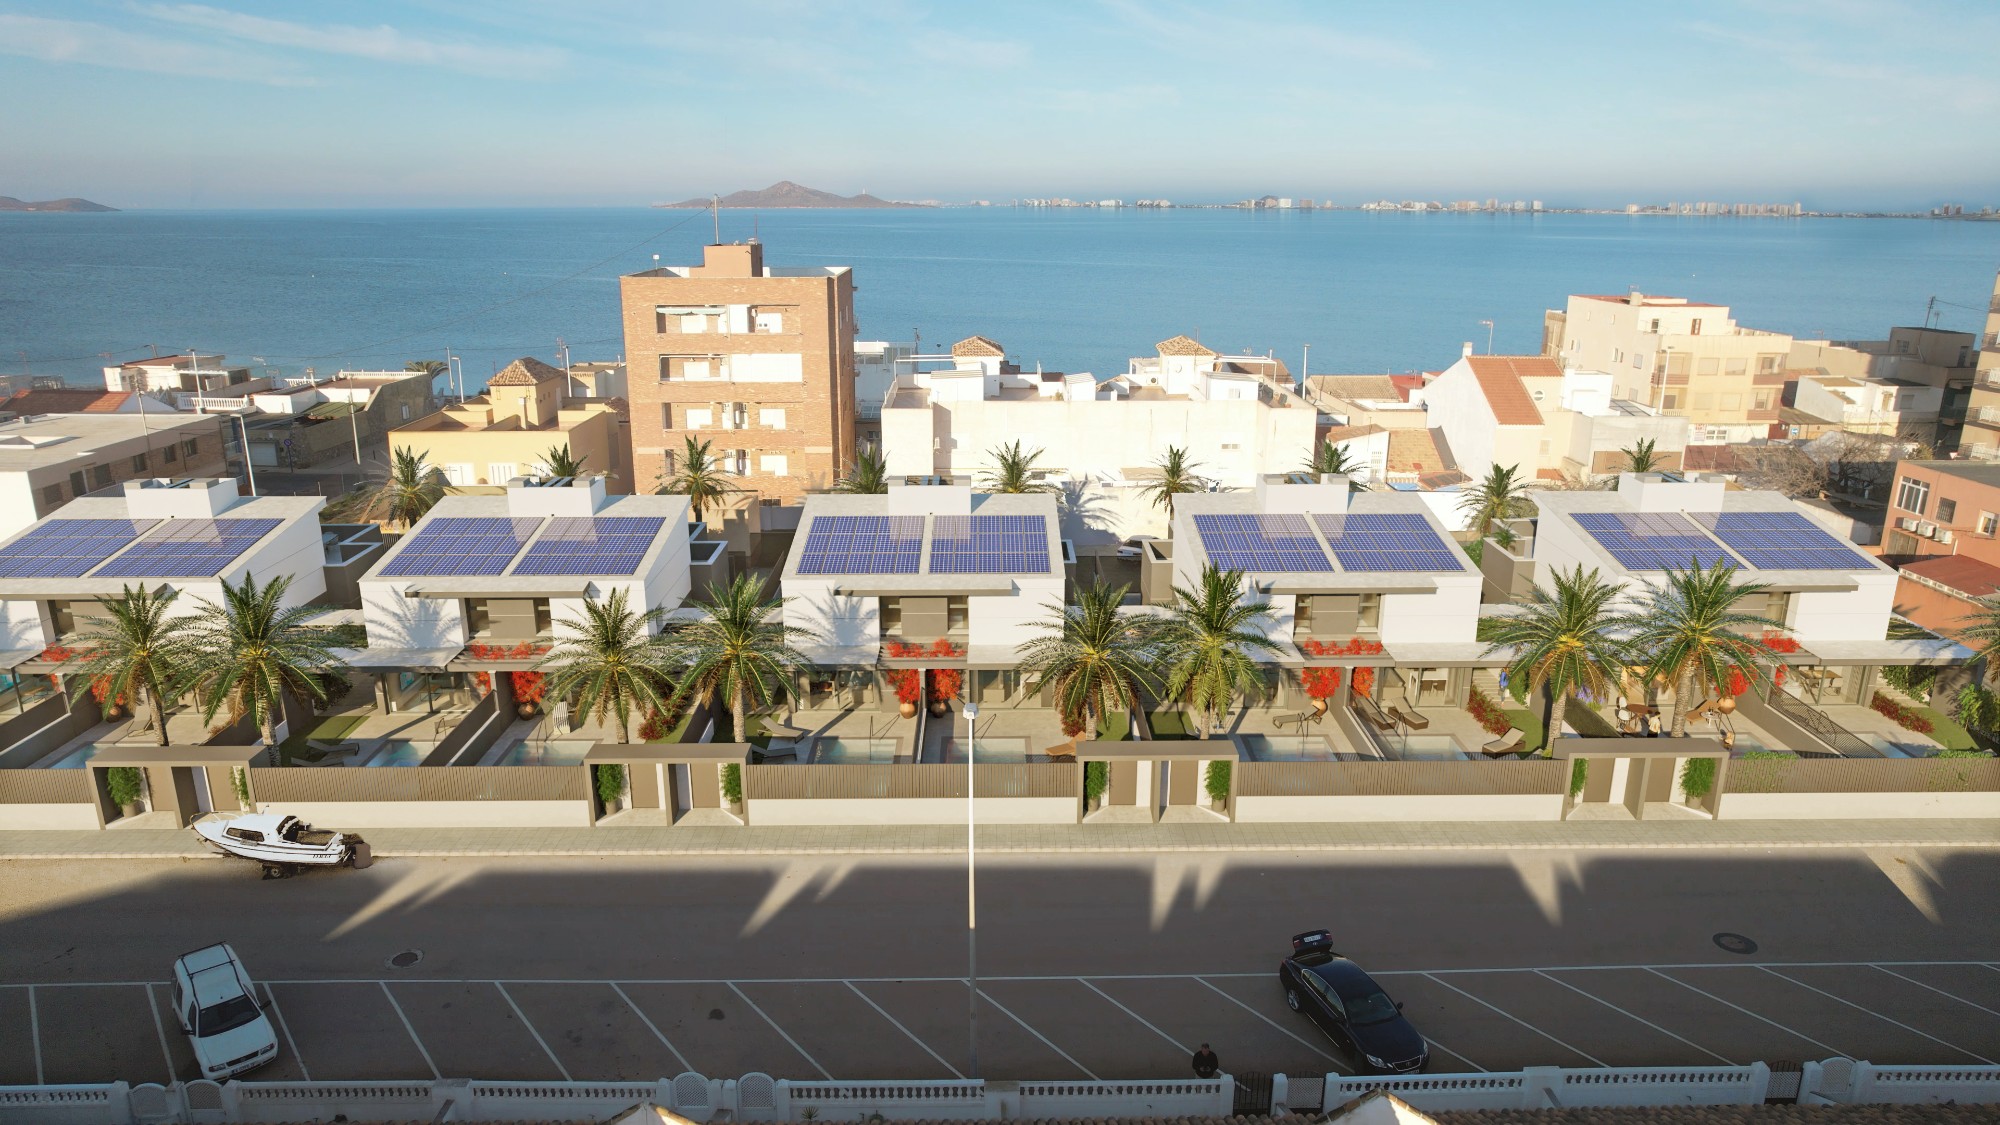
[397, 752]
[1427, 748]
[1288, 748]
[996, 751]
[555, 753]
[76, 758]
[854, 751]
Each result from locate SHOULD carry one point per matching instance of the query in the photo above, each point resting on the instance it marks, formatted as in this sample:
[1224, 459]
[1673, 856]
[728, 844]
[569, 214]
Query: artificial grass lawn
[1529, 723]
[1947, 731]
[1168, 725]
[333, 728]
[1115, 728]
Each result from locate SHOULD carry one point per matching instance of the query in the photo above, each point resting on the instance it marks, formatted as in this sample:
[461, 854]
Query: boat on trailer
[283, 844]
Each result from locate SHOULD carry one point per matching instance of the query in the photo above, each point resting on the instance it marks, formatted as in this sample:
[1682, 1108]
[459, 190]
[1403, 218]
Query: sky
[1889, 104]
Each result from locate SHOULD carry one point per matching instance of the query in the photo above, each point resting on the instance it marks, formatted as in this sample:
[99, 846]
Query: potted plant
[113, 708]
[126, 786]
[529, 687]
[908, 684]
[1320, 684]
[945, 686]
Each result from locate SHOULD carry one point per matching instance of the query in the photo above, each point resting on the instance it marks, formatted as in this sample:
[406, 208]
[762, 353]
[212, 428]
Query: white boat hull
[278, 841]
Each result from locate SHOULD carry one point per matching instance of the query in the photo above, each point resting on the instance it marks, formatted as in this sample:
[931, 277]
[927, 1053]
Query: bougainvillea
[946, 684]
[1320, 683]
[1354, 647]
[522, 651]
[1487, 713]
[529, 687]
[1364, 682]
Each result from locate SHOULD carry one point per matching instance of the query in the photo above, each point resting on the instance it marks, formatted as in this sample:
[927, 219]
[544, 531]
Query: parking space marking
[1753, 1015]
[1640, 1019]
[1309, 1045]
[35, 1031]
[1877, 1015]
[1939, 991]
[529, 1024]
[650, 1026]
[1516, 1019]
[1045, 1039]
[906, 1031]
[411, 1029]
[286, 1027]
[159, 1029]
[781, 1031]
[1179, 1046]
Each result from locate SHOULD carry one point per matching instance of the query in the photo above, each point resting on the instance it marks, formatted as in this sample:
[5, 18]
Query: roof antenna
[715, 212]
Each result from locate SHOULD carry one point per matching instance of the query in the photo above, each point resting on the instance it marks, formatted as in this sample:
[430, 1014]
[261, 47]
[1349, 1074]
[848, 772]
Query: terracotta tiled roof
[1183, 345]
[1338, 434]
[978, 346]
[1963, 573]
[524, 372]
[1353, 387]
[1414, 450]
[69, 402]
[1500, 377]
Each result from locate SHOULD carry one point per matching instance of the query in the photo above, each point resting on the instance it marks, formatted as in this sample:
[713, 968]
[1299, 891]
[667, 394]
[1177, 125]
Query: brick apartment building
[757, 361]
[1944, 532]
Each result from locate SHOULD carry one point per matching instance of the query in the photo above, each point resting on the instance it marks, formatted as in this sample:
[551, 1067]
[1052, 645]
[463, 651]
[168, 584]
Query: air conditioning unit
[1944, 535]
[1906, 523]
[1927, 529]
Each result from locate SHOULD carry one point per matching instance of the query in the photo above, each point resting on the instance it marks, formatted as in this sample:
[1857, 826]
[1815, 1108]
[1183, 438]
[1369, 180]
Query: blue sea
[1076, 290]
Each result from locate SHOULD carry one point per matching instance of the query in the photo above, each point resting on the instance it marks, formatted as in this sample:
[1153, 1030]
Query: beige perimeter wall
[912, 810]
[1448, 807]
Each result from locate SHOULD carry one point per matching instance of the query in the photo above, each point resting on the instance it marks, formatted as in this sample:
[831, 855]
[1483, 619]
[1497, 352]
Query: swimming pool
[74, 758]
[998, 750]
[1288, 748]
[1427, 748]
[554, 753]
[854, 751]
[397, 752]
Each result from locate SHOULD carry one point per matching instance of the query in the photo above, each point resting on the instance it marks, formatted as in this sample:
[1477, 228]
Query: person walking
[1206, 1065]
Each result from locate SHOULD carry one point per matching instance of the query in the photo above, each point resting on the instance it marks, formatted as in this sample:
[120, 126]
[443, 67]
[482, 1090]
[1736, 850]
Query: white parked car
[218, 1010]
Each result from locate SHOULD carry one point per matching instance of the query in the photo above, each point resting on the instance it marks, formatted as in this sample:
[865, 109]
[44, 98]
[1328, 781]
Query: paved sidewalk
[1077, 839]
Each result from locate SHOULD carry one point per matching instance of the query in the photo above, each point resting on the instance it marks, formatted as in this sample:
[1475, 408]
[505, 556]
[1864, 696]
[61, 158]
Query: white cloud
[92, 44]
[382, 43]
[1263, 44]
[967, 50]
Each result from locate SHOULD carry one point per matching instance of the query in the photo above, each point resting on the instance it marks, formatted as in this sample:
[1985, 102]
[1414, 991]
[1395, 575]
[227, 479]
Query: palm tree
[611, 661]
[868, 477]
[1092, 659]
[427, 366]
[1177, 476]
[1328, 459]
[1640, 456]
[410, 488]
[739, 649]
[560, 463]
[1013, 470]
[700, 478]
[1692, 629]
[1980, 631]
[1503, 495]
[1566, 642]
[250, 652]
[136, 651]
[1208, 643]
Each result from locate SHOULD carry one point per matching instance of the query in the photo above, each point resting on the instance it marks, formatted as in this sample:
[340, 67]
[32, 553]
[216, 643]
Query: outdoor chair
[1302, 718]
[1509, 743]
[1700, 710]
[1409, 719]
[1374, 718]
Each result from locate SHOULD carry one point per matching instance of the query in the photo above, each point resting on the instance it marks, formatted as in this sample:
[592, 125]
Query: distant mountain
[9, 203]
[785, 193]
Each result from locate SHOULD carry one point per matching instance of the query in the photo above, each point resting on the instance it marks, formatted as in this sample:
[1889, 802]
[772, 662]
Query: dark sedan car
[1350, 1007]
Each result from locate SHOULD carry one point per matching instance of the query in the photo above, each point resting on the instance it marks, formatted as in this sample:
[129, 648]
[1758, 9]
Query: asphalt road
[1111, 967]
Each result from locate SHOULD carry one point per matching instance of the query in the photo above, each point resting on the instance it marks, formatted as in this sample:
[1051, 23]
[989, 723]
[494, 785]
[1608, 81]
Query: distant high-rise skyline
[1855, 104]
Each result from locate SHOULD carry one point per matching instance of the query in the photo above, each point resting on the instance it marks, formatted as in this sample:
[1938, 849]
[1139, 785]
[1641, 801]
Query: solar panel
[591, 545]
[1782, 541]
[463, 545]
[863, 545]
[1386, 541]
[1652, 540]
[989, 545]
[68, 548]
[188, 548]
[1260, 542]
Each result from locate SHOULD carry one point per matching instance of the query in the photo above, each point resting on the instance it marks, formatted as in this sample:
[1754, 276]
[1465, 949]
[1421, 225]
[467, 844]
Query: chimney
[1635, 298]
[1465, 350]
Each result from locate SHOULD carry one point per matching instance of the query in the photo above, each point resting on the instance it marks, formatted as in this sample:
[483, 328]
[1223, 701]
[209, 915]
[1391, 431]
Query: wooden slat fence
[1863, 775]
[905, 780]
[45, 787]
[1399, 779]
[421, 783]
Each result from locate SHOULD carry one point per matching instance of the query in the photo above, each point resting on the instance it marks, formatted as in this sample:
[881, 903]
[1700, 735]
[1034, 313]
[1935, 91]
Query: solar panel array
[450, 545]
[68, 548]
[1260, 542]
[1782, 541]
[591, 545]
[188, 548]
[989, 545]
[863, 545]
[1396, 541]
[1652, 540]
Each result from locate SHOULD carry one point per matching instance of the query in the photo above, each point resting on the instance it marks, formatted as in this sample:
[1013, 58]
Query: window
[138, 462]
[1694, 329]
[1988, 524]
[770, 418]
[1913, 495]
[1768, 364]
[666, 415]
[170, 454]
[767, 322]
[774, 464]
[1762, 400]
[190, 447]
[957, 614]
[1368, 615]
[1656, 326]
[1638, 360]
[406, 412]
[52, 493]
[76, 485]
[1947, 510]
[1670, 402]
[698, 418]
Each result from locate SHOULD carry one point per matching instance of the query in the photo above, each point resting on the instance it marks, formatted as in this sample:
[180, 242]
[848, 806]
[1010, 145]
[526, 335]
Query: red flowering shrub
[1354, 647]
[521, 651]
[1737, 684]
[1905, 717]
[529, 687]
[1778, 642]
[946, 683]
[908, 684]
[1364, 682]
[1487, 713]
[1320, 683]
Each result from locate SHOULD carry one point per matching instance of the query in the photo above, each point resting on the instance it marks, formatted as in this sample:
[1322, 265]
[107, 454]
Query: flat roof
[923, 565]
[1360, 556]
[536, 531]
[41, 440]
[155, 537]
[1568, 506]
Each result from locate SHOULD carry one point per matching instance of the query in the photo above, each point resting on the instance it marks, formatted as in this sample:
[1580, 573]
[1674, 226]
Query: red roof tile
[1500, 378]
[67, 402]
[1967, 575]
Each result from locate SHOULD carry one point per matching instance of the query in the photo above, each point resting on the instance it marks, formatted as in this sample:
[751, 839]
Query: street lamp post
[971, 905]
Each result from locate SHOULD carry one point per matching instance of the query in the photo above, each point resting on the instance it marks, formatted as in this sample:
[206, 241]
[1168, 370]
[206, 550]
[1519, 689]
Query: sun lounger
[1509, 743]
[1412, 721]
